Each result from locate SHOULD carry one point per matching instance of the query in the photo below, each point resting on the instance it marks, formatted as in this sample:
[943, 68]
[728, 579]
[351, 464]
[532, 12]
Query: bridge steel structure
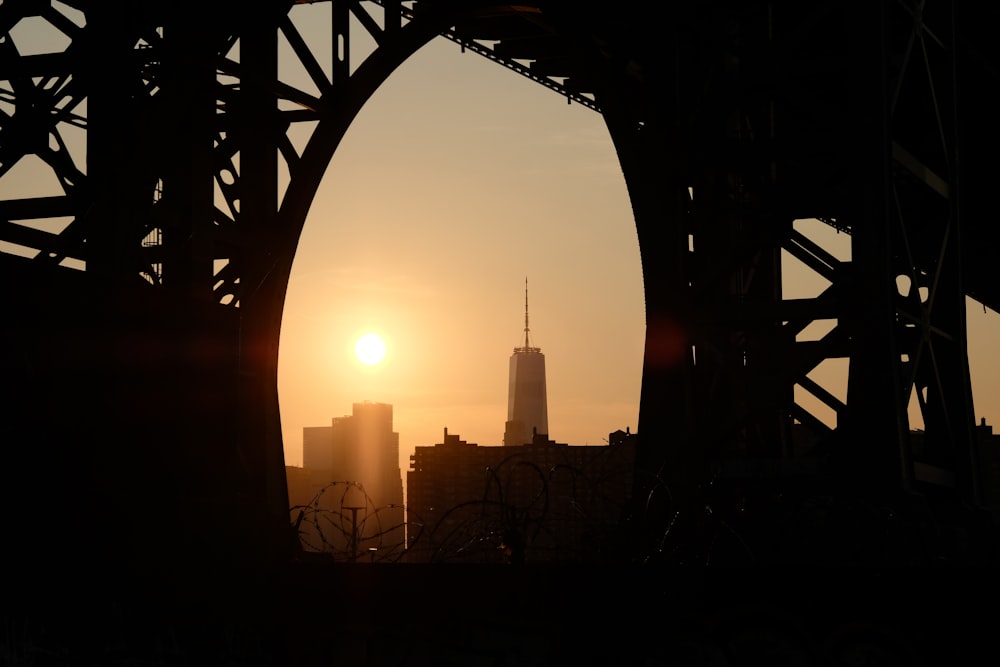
[143, 290]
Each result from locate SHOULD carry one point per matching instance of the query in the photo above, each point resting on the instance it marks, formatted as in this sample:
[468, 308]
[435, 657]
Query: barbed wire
[528, 512]
[525, 512]
[338, 530]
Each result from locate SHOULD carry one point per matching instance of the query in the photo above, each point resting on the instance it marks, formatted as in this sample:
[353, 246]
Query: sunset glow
[370, 349]
[492, 178]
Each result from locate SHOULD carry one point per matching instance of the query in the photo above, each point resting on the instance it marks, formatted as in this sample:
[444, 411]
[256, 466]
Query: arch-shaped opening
[456, 181]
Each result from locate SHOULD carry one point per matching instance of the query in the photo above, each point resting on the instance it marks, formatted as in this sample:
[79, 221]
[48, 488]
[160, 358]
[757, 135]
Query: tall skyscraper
[527, 408]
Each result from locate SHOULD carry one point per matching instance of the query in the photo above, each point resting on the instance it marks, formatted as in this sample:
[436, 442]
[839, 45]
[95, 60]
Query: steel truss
[841, 113]
[184, 156]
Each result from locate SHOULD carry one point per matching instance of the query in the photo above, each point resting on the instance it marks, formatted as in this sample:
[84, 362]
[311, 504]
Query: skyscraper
[359, 454]
[527, 409]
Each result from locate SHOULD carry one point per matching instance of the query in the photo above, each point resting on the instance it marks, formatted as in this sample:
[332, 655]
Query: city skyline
[458, 179]
[424, 231]
[189, 309]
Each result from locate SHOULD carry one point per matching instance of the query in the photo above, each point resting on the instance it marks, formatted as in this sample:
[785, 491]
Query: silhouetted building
[317, 448]
[352, 486]
[544, 501]
[989, 467]
[527, 407]
[533, 499]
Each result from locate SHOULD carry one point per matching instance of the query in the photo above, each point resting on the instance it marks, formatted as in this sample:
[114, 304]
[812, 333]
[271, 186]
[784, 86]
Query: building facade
[347, 499]
[543, 501]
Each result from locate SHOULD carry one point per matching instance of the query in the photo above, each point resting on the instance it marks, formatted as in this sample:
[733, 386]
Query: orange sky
[458, 180]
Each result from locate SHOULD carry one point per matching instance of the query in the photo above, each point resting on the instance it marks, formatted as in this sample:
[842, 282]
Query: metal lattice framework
[180, 145]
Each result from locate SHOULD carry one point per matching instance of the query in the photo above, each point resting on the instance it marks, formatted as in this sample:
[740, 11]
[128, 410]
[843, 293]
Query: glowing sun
[370, 349]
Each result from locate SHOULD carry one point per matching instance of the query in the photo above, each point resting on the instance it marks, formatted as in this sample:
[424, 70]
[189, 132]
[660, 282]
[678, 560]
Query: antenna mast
[527, 331]
[526, 344]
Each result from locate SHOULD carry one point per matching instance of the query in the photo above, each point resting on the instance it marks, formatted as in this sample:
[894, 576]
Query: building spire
[526, 343]
[527, 330]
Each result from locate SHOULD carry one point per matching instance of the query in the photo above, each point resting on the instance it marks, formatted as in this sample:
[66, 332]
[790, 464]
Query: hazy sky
[459, 180]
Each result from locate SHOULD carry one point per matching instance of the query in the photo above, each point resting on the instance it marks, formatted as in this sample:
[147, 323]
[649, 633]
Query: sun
[370, 349]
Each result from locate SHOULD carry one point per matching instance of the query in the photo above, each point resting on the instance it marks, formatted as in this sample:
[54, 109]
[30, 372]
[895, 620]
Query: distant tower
[527, 411]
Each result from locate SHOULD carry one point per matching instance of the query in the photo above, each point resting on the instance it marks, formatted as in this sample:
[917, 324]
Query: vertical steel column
[907, 311]
[116, 167]
[928, 230]
[651, 139]
[697, 160]
[263, 261]
[873, 436]
[188, 103]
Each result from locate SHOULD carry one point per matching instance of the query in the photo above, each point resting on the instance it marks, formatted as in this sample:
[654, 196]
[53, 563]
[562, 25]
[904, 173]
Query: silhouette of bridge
[143, 293]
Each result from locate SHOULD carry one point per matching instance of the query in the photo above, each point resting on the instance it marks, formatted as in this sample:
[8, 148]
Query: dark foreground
[364, 614]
